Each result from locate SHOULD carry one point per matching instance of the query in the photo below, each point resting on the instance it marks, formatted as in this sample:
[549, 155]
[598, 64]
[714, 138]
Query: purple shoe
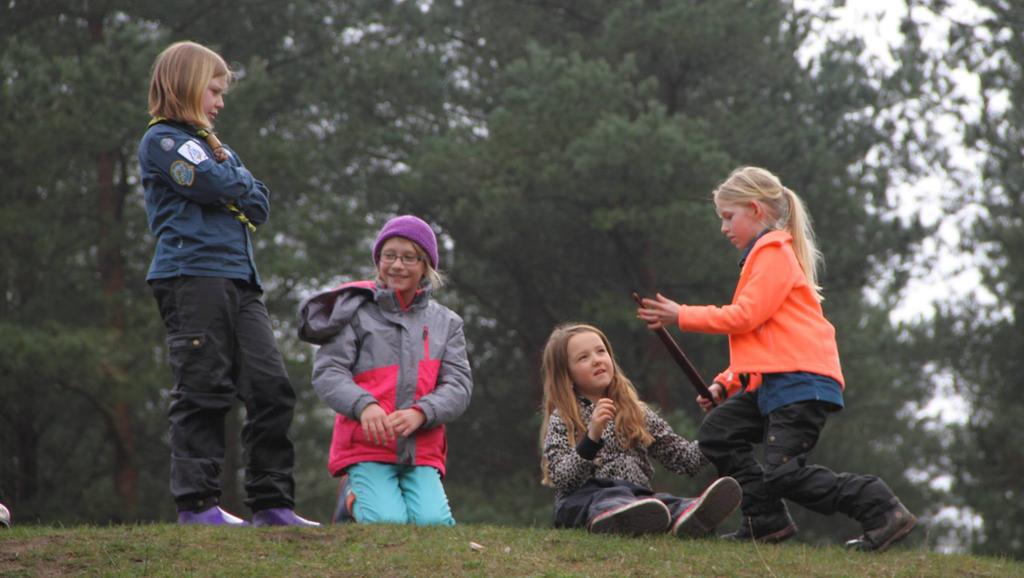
[281, 517]
[214, 516]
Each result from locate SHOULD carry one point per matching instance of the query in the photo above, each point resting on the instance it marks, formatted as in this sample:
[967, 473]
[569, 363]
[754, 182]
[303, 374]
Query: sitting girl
[597, 438]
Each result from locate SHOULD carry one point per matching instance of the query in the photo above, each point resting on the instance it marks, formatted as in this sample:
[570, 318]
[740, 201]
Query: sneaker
[710, 509]
[644, 516]
[898, 522]
[766, 528]
[345, 513]
[213, 516]
[281, 517]
[5, 517]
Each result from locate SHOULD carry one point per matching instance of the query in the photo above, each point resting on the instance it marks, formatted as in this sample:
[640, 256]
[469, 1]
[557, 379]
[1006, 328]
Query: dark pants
[789, 433]
[598, 495]
[221, 348]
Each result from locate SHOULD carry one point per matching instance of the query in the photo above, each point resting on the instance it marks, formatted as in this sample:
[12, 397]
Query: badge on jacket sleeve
[167, 143]
[182, 173]
[192, 152]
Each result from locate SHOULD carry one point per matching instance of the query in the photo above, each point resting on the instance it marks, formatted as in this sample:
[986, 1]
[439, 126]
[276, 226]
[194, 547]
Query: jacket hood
[768, 239]
[323, 315]
[775, 238]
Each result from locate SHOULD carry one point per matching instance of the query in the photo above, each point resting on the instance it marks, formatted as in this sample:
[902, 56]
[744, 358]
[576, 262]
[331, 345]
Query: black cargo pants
[222, 347]
[727, 437]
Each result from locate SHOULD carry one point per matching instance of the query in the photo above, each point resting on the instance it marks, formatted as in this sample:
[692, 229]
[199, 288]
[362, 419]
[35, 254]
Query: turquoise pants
[394, 494]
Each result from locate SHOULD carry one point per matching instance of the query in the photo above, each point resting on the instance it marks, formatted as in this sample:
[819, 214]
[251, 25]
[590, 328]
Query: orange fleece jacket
[774, 323]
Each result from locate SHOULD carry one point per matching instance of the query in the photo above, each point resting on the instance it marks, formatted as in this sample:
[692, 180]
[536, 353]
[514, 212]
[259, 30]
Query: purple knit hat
[413, 228]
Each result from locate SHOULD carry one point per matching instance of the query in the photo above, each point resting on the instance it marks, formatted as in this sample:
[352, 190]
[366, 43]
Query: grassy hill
[467, 550]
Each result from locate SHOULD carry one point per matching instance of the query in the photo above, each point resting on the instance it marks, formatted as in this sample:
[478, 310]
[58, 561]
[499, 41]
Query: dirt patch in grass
[28, 557]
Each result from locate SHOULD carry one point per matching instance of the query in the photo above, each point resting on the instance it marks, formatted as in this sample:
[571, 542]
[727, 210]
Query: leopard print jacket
[568, 470]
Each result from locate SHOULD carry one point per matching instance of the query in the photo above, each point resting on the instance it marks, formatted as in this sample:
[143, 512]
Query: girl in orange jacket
[784, 376]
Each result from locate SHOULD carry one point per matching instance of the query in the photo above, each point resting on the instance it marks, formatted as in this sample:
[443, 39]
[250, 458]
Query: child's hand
[717, 391]
[604, 412]
[659, 312]
[406, 421]
[376, 426]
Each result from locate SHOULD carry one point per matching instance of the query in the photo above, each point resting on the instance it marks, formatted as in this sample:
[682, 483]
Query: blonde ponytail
[798, 224]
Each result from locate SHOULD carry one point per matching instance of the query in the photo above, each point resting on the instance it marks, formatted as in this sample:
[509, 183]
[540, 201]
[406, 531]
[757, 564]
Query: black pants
[789, 433]
[221, 348]
[599, 495]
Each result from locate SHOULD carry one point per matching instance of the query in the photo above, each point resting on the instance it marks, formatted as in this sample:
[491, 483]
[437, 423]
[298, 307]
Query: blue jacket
[187, 192]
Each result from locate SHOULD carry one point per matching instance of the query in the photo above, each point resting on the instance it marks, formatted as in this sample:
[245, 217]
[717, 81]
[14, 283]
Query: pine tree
[983, 341]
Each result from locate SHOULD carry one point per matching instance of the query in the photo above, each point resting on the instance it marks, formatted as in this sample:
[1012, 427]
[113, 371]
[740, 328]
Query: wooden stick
[680, 358]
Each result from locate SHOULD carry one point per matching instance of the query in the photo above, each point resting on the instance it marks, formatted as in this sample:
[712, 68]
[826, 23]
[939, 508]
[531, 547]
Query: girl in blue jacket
[203, 206]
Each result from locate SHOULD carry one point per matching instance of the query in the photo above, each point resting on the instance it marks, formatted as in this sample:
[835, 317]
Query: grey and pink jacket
[374, 351]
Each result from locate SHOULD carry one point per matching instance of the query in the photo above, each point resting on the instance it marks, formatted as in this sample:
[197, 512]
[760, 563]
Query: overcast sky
[943, 270]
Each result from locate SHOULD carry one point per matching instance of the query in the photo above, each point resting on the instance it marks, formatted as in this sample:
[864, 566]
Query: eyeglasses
[408, 260]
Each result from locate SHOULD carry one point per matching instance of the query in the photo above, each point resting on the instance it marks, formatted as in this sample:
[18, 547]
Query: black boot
[898, 522]
[768, 528]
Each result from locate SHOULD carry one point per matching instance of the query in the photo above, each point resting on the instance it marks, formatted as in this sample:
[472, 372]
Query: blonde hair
[784, 209]
[436, 277]
[630, 424]
[180, 76]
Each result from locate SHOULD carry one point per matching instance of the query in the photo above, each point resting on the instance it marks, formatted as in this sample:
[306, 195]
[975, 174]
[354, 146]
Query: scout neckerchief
[220, 155]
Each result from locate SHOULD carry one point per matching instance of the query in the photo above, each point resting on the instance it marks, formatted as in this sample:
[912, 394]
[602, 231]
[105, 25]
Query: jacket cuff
[361, 403]
[426, 410]
[588, 448]
[726, 394]
[730, 382]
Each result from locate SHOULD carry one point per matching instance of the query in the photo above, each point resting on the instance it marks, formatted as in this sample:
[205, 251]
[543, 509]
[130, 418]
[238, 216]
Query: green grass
[378, 551]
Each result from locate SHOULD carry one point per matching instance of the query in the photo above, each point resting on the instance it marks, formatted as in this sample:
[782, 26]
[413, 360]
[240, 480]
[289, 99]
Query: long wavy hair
[785, 212]
[559, 393]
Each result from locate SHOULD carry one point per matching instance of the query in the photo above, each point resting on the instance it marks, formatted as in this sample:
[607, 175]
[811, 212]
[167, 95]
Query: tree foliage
[980, 341]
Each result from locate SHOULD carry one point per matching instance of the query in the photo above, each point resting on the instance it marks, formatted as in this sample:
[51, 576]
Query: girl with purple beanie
[392, 364]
